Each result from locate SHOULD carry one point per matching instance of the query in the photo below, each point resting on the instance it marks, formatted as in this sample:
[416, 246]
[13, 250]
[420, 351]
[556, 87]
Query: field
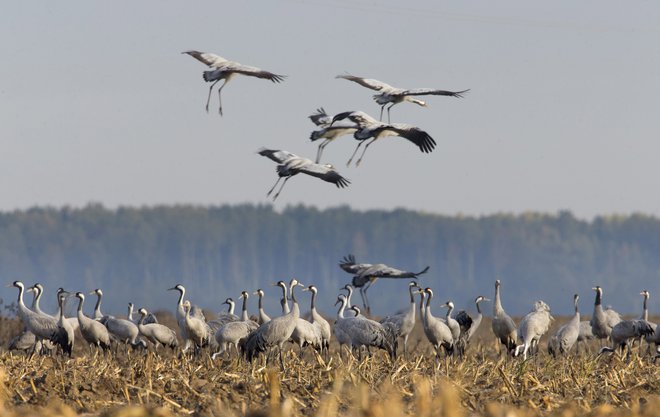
[141, 384]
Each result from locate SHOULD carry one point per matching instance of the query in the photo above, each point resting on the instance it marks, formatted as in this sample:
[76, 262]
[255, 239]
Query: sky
[99, 105]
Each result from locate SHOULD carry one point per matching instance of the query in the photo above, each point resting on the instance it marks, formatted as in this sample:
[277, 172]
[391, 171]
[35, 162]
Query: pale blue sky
[98, 104]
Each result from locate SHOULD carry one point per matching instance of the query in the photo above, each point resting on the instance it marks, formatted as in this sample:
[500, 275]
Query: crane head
[177, 287]
[143, 311]
[97, 292]
[480, 299]
[259, 292]
[80, 296]
[341, 298]
[497, 283]
[245, 295]
[17, 284]
[645, 293]
[356, 309]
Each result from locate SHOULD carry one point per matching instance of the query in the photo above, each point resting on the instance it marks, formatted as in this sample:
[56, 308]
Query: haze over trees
[135, 254]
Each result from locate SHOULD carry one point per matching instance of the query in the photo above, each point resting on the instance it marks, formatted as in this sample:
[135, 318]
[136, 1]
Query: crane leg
[208, 99]
[320, 150]
[365, 300]
[220, 96]
[354, 152]
[388, 112]
[381, 112]
[272, 189]
[364, 151]
[280, 190]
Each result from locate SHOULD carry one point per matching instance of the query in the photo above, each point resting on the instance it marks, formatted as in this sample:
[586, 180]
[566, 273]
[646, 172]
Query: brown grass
[142, 384]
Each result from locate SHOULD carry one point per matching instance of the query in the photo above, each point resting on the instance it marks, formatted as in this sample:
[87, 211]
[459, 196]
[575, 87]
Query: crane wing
[252, 72]
[320, 118]
[349, 265]
[324, 172]
[276, 155]
[414, 134]
[212, 60]
[431, 92]
[367, 82]
[385, 271]
[332, 132]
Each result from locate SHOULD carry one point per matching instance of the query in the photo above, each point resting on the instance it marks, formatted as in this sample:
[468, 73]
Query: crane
[263, 317]
[233, 332]
[320, 323]
[437, 332]
[602, 321]
[223, 69]
[94, 333]
[156, 333]
[275, 332]
[327, 131]
[469, 324]
[567, 335]
[370, 128]
[534, 325]
[502, 325]
[366, 274]
[290, 164]
[404, 322]
[393, 95]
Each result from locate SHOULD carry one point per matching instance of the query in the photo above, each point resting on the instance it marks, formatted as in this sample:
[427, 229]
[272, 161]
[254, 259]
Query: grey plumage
[341, 326]
[364, 275]
[43, 327]
[451, 322]
[98, 315]
[405, 322]
[263, 317]
[151, 318]
[64, 336]
[651, 339]
[195, 313]
[602, 321]
[393, 95]
[320, 322]
[328, 132]
[233, 332]
[273, 333]
[502, 325]
[370, 128]
[437, 332]
[92, 331]
[368, 333]
[224, 69]
[534, 325]
[290, 165]
[567, 335]
[469, 324]
[625, 331]
[156, 333]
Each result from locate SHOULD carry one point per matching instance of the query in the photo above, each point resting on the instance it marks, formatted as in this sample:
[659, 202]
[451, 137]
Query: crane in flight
[327, 131]
[370, 128]
[366, 274]
[393, 95]
[290, 164]
[223, 69]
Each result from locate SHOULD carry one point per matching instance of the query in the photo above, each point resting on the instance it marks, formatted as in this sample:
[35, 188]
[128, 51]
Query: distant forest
[135, 254]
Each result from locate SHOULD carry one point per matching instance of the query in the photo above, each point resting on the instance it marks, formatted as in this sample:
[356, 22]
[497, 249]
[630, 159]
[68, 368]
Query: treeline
[134, 254]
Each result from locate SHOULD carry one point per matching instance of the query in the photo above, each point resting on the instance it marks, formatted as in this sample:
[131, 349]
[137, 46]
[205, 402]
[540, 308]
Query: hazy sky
[98, 104]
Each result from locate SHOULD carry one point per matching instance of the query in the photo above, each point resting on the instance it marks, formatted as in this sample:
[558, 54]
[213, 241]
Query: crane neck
[36, 302]
[61, 302]
[348, 297]
[645, 311]
[232, 307]
[21, 289]
[97, 307]
[449, 310]
[244, 314]
[340, 312]
[478, 307]
[577, 311]
[295, 310]
[261, 302]
[130, 312]
[598, 298]
[313, 306]
[497, 306]
[80, 306]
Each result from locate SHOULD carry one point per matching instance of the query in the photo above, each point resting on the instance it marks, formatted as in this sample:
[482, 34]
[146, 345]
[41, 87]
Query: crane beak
[338, 301]
[486, 299]
[171, 289]
[9, 285]
[92, 293]
[595, 289]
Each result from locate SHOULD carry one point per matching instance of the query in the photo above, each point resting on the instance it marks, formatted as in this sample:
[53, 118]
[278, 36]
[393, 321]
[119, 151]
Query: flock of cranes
[364, 128]
[355, 332]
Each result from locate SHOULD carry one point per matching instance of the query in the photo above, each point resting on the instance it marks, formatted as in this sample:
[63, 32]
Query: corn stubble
[145, 384]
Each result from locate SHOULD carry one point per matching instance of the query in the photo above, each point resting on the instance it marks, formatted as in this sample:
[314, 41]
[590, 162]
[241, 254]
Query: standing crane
[393, 95]
[232, 333]
[451, 323]
[43, 327]
[263, 317]
[274, 333]
[64, 336]
[602, 321]
[94, 333]
[534, 325]
[567, 335]
[366, 274]
[290, 164]
[320, 323]
[469, 325]
[156, 333]
[404, 322]
[370, 128]
[223, 69]
[437, 332]
[502, 325]
[340, 327]
[652, 338]
[625, 331]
